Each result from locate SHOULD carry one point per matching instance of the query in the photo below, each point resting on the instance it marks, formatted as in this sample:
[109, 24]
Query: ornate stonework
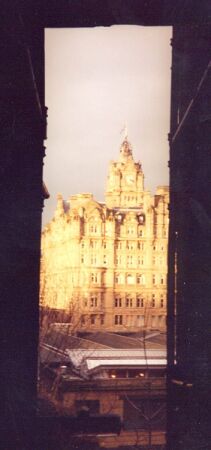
[106, 263]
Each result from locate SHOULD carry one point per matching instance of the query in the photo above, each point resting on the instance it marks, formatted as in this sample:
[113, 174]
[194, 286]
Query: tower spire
[126, 148]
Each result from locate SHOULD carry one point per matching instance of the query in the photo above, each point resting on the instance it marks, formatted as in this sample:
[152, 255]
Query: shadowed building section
[128, 383]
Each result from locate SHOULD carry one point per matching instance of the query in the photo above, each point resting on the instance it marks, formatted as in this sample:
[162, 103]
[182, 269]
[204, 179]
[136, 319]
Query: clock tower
[125, 183]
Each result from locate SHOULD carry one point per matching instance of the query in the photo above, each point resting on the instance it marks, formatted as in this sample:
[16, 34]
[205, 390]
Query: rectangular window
[93, 319]
[119, 279]
[93, 244]
[102, 319]
[93, 229]
[139, 302]
[93, 302]
[117, 320]
[129, 302]
[93, 259]
[141, 245]
[140, 279]
[83, 320]
[130, 230]
[118, 260]
[130, 260]
[118, 302]
[94, 278]
[140, 261]
[130, 245]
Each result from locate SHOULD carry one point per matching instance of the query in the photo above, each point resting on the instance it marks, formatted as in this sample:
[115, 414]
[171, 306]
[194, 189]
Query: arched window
[130, 279]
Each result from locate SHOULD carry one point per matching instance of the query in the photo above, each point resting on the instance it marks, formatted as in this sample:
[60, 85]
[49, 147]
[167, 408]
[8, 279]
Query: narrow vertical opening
[105, 230]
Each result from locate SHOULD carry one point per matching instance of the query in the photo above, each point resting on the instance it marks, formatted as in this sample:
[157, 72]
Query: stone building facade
[105, 264]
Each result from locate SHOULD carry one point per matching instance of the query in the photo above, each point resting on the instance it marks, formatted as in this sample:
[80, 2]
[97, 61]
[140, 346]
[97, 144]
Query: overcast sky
[98, 79]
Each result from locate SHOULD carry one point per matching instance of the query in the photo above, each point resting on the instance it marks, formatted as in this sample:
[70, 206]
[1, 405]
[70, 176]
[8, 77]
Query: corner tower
[125, 182]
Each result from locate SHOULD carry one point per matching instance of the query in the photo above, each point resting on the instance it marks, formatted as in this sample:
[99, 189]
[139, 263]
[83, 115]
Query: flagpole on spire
[124, 131]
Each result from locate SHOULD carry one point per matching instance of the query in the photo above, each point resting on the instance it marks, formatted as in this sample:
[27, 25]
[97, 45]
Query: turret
[59, 207]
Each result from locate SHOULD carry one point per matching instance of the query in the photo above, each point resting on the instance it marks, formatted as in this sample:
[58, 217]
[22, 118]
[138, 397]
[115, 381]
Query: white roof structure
[86, 361]
[96, 363]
